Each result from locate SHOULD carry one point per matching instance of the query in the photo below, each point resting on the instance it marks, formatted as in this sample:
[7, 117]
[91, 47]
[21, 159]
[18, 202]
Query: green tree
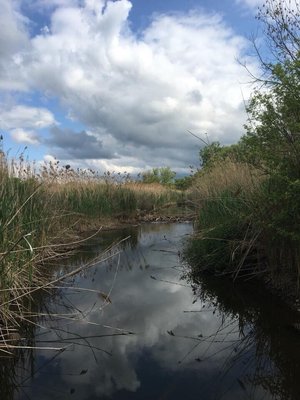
[151, 176]
[214, 152]
[163, 175]
[183, 183]
[272, 139]
[166, 175]
[281, 26]
[265, 220]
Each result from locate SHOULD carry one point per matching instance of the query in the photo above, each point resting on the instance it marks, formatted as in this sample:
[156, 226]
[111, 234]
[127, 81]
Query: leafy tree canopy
[163, 175]
[214, 152]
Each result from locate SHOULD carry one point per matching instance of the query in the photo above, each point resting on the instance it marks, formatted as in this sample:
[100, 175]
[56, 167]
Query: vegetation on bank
[41, 213]
[249, 193]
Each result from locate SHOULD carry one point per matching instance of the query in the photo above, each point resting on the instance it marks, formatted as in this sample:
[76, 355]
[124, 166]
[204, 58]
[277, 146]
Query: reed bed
[225, 175]
[30, 222]
[154, 196]
[245, 226]
[39, 211]
[228, 231]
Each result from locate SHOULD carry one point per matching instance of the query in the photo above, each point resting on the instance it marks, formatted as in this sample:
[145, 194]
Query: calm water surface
[136, 330]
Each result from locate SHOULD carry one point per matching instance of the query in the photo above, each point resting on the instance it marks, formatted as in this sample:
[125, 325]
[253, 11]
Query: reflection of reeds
[261, 353]
[55, 318]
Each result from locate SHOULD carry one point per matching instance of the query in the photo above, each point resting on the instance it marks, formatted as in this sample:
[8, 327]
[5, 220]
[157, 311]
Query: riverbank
[241, 230]
[45, 216]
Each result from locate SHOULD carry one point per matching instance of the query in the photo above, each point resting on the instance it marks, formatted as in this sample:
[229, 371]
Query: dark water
[134, 329]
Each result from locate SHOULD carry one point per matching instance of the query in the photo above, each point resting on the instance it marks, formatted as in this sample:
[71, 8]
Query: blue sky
[238, 15]
[118, 84]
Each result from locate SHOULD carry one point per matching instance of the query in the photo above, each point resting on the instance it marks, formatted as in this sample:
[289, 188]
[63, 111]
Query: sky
[118, 85]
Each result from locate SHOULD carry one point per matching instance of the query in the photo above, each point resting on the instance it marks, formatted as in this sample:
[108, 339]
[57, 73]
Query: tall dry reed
[228, 229]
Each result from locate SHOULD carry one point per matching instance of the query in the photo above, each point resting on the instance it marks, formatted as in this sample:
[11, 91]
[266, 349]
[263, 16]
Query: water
[136, 330]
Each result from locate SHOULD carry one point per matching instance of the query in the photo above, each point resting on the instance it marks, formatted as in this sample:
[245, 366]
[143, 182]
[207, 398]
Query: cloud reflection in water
[178, 345]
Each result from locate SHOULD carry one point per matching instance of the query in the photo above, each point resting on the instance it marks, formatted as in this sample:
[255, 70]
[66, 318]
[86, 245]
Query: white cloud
[141, 94]
[24, 136]
[26, 117]
[13, 41]
[48, 158]
[23, 122]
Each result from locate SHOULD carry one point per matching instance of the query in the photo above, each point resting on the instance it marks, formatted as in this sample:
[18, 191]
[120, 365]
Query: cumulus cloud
[140, 94]
[13, 41]
[27, 117]
[24, 136]
[23, 123]
[48, 158]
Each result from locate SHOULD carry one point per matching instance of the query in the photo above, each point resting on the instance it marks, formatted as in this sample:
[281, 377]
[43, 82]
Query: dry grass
[247, 225]
[154, 188]
[228, 229]
[223, 176]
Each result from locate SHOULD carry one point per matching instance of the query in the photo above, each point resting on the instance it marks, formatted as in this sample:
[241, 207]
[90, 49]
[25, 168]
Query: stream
[135, 327]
